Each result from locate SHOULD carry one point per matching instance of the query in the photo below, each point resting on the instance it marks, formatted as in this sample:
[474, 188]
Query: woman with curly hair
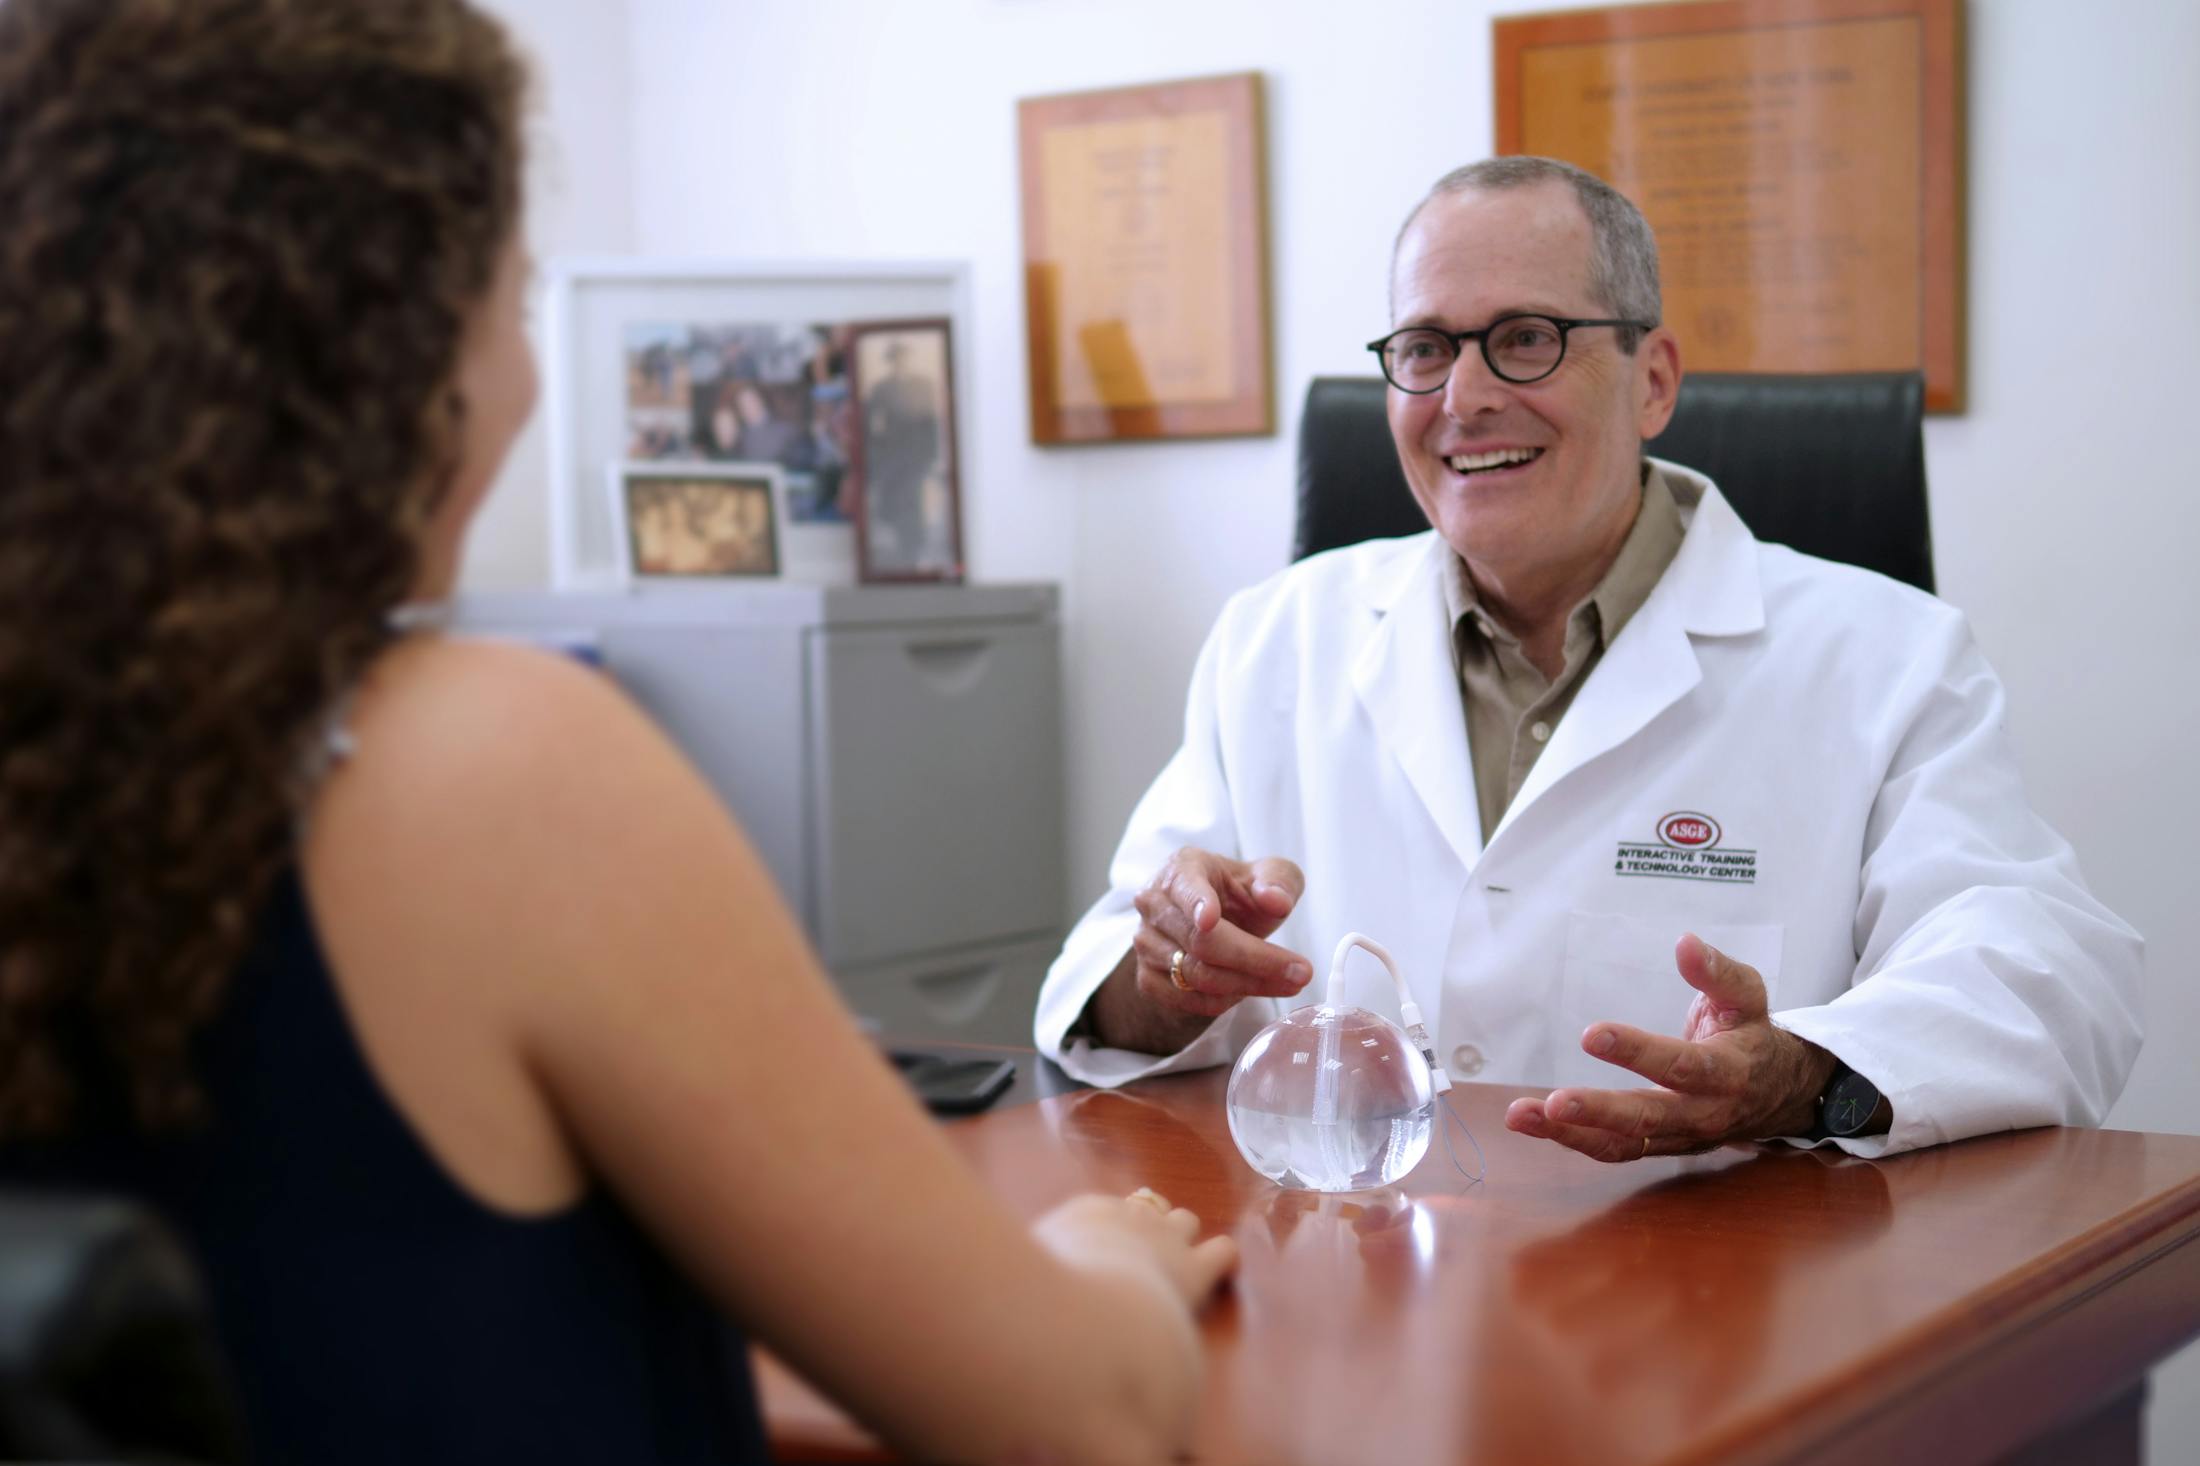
[419, 982]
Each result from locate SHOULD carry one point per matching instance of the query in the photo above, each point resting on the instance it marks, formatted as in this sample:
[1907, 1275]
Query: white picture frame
[597, 310]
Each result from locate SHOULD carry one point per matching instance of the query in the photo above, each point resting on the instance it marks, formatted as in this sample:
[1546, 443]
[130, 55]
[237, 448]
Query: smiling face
[1533, 485]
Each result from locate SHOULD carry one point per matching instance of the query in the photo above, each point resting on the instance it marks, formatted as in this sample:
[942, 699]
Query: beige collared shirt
[1512, 709]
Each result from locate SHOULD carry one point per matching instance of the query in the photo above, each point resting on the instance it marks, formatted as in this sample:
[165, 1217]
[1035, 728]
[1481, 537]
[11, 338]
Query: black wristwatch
[1850, 1106]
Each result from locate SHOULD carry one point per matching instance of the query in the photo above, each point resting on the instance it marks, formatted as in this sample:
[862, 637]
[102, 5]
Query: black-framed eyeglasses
[1519, 349]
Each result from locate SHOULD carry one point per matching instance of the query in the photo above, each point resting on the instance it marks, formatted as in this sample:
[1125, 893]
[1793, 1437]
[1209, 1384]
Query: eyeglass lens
[1520, 350]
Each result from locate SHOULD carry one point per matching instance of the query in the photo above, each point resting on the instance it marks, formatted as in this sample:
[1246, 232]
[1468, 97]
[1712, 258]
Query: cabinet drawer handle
[951, 666]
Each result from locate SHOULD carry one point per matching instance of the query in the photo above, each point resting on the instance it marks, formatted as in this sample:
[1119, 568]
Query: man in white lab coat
[1621, 788]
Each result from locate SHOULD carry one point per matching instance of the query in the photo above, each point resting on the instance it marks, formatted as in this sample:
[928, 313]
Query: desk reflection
[1758, 1303]
[1659, 1320]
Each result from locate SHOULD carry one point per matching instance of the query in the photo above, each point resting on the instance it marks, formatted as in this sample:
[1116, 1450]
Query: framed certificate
[1146, 262]
[1800, 160]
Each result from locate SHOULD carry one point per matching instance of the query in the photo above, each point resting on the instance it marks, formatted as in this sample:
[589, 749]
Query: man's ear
[1657, 381]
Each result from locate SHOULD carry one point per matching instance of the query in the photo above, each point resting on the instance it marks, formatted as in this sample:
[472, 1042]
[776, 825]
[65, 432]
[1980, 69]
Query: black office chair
[1833, 465]
[107, 1350]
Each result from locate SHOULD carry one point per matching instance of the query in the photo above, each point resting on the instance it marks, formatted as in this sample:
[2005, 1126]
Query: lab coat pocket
[1620, 969]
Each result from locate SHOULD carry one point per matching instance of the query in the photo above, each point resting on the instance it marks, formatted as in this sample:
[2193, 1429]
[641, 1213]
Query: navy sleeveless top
[374, 1311]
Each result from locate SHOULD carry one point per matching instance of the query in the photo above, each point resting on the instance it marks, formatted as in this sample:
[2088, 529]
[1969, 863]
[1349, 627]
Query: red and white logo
[1687, 849]
[1687, 830]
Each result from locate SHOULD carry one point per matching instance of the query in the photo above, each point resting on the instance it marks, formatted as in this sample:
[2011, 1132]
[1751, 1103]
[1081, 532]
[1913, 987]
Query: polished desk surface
[1756, 1304]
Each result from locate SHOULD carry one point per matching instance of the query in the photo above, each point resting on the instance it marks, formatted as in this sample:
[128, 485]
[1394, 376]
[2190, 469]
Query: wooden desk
[1995, 1300]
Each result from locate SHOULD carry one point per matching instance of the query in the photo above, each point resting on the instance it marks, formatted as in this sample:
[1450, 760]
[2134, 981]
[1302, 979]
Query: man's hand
[1731, 1075]
[1217, 912]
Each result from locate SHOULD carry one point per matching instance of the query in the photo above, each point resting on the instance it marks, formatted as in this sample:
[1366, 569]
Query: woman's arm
[516, 860]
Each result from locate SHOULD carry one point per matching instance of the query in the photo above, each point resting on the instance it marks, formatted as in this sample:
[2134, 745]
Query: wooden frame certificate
[1800, 160]
[1146, 262]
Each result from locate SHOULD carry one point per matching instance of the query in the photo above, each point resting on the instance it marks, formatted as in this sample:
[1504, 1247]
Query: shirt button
[1465, 1060]
[1540, 732]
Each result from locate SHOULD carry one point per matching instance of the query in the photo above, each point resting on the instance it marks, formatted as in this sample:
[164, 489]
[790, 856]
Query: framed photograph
[706, 363]
[1145, 223]
[909, 521]
[749, 392]
[700, 521]
[1800, 160]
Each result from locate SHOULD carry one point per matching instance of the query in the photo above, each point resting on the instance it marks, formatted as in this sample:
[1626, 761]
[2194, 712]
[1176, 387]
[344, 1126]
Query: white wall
[861, 128]
[2062, 499]
[2063, 506]
[579, 201]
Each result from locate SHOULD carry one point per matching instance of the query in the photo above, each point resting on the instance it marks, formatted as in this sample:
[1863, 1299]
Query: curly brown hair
[243, 242]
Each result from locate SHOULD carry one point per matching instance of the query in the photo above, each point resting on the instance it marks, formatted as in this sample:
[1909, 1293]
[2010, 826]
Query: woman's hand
[1141, 1232]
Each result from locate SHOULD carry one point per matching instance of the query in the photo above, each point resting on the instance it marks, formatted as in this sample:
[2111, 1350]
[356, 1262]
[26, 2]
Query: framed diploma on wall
[1146, 262]
[1800, 160]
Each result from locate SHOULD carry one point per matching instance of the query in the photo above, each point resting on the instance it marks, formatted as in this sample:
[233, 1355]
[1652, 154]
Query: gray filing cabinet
[894, 751]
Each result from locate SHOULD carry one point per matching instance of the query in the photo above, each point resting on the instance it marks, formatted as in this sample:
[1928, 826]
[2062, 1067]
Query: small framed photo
[699, 521]
[909, 514]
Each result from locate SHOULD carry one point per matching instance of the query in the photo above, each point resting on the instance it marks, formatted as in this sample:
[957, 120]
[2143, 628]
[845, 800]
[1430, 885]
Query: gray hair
[1623, 257]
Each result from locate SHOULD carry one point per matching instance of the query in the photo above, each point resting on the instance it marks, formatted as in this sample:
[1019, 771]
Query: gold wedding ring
[1176, 971]
[1645, 1147]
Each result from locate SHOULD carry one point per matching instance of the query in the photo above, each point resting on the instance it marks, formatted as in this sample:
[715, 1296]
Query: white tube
[1382, 955]
[1409, 1012]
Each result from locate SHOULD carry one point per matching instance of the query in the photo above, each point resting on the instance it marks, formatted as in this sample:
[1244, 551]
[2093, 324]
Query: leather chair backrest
[107, 1348]
[1831, 465]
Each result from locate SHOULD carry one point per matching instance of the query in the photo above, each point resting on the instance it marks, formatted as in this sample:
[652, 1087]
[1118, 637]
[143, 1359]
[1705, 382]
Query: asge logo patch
[1688, 848]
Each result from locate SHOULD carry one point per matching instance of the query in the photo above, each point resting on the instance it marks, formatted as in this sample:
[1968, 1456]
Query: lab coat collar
[1712, 585]
[1405, 677]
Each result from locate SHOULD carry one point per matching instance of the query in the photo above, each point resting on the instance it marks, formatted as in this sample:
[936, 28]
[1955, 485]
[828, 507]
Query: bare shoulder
[489, 780]
[490, 712]
[456, 861]
[448, 730]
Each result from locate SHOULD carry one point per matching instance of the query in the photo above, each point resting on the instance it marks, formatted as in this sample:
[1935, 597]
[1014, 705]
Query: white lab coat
[1907, 908]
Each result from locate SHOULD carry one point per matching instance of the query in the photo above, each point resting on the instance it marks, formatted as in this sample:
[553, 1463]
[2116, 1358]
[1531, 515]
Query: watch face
[1849, 1103]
